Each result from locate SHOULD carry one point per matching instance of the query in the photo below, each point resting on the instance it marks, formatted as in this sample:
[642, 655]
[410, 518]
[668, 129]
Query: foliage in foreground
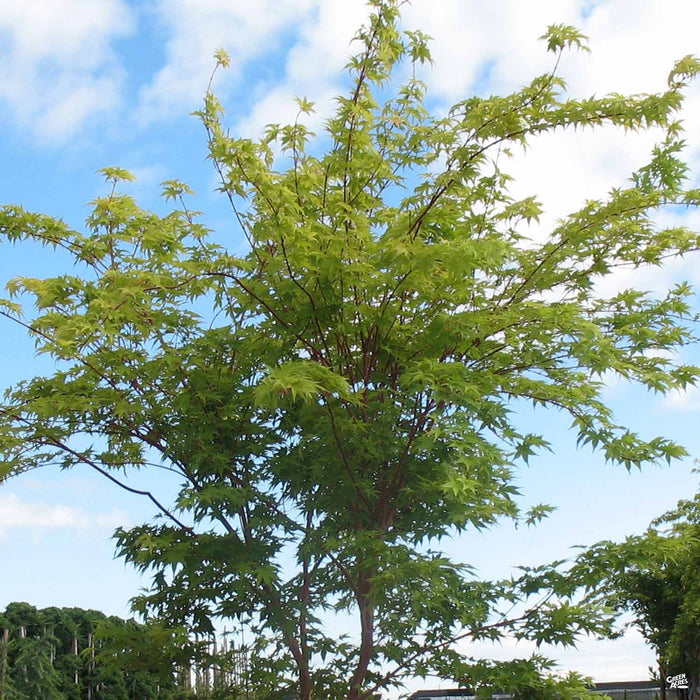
[342, 395]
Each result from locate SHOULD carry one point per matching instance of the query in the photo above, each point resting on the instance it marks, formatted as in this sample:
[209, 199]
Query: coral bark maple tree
[338, 397]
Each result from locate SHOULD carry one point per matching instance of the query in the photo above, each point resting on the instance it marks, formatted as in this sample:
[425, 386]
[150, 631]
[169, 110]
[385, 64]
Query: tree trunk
[662, 681]
[3, 668]
[302, 664]
[91, 666]
[75, 653]
[305, 675]
[366, 608]
[305, 684]
[22, 635]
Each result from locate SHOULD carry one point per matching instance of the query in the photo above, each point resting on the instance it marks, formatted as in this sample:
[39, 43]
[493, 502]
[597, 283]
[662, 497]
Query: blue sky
[90, 83]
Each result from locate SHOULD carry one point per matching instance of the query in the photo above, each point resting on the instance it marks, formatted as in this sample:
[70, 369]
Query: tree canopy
[342, 394]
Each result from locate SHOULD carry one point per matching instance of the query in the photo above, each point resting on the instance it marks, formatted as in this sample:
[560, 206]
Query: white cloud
[683, 401]
[635, 44]
[196, 29]
[563, 169]
[36, 516]
[325, 43]
[313, 68]
[279, 107]
[463, 45]
[57, 68]
[474, 40]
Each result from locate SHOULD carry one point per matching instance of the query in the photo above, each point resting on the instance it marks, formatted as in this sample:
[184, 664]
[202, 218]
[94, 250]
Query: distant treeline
[76, 654]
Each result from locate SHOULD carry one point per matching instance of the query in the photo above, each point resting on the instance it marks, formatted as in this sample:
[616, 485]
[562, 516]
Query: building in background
[622, 690]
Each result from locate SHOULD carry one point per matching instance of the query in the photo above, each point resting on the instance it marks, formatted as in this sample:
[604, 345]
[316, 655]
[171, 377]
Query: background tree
[655, 576]
[55, 653]
[343, 394]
